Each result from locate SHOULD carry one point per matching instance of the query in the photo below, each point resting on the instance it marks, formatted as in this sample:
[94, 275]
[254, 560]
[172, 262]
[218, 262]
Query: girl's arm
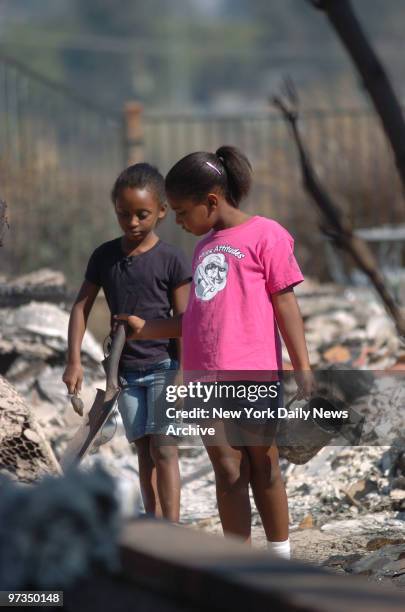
[158, 328]
[73, 374]
[151, 330]
[180, 300]
[291, 326]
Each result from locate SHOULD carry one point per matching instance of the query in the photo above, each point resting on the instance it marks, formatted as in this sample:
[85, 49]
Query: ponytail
[195, 175]
[238, 172]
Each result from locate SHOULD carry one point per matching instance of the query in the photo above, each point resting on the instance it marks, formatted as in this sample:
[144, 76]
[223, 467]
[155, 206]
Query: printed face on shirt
[138, 212]
[210, 276]
[193, 217]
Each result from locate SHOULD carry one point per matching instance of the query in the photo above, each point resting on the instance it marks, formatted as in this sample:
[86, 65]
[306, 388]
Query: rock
[24, 372]
[361, 488]
[386, 561]
[397, 494]
[352, 319]
[44, 323]
[307, 522]
[40, 278]
[337, 354]
[321, 329]
[381, 330]
[342, 561]
[399, 483]
[41, 285]
[51, 386]
[33, 345]
[398, 499]
[377, 543]
[77, 404]
[365, 524]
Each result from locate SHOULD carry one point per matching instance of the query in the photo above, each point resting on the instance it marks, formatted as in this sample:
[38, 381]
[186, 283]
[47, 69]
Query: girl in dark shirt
[143, 275]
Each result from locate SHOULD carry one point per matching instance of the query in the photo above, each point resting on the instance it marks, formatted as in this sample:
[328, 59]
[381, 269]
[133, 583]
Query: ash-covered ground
[347, 504]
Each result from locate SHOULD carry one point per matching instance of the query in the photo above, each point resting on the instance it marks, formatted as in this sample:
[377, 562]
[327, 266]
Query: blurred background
[203, 72]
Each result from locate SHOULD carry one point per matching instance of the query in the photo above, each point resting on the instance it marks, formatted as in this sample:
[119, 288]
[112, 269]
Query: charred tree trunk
[343, 19]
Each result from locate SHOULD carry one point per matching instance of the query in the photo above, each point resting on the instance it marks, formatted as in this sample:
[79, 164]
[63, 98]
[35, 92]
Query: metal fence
[58, 158]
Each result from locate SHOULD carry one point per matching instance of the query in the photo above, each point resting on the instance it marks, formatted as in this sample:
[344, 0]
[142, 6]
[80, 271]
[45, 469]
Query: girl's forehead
[182, 204]
[132, 198]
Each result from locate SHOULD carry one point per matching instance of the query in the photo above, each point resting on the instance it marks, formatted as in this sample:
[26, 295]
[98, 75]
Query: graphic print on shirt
[210, 276]
[212, 272]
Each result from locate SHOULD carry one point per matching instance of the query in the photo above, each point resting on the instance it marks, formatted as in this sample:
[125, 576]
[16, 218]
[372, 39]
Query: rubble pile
[359, 510]
[343, 499]
[33, 345]
[355, 481]
[42, 286]
[348, 326]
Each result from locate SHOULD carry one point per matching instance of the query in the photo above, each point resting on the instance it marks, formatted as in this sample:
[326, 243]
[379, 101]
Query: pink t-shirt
[229, 323]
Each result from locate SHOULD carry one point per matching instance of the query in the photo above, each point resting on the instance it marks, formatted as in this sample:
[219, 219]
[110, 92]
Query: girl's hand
[73, 378]
[306, 384]
[178, 381]
[135, 323]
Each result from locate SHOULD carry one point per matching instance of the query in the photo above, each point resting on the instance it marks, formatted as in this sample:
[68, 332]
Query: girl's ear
[212, 199]
[163, 211]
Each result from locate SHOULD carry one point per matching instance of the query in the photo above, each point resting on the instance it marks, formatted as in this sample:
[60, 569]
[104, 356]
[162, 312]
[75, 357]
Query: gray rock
[386, 561]
[50, 323]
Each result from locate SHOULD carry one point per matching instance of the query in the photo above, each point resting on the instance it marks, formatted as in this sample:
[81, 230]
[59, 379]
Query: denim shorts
[142, 400]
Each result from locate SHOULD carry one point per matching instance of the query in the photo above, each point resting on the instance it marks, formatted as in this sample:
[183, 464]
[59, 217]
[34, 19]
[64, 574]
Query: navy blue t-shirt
[141, 285]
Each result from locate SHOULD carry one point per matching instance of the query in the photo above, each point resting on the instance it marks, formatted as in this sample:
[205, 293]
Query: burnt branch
[334, 223]
[343, 19]
[4, 225]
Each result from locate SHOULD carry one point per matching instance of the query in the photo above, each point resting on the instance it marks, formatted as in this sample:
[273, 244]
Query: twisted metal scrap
[25, 454]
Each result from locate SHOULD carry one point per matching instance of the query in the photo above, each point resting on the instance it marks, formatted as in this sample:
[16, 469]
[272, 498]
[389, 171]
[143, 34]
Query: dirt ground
[337, 542]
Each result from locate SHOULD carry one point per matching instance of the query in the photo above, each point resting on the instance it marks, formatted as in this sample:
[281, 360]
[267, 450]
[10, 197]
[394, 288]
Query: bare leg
[269, 491]
[231, 467]
[166, 460]
[147, 478]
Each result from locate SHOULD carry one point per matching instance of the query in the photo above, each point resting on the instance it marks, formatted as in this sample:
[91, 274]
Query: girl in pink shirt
[244, 271]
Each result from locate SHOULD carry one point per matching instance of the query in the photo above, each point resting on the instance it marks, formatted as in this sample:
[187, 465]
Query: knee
[230, 472]
[269, 470]
[163, 454]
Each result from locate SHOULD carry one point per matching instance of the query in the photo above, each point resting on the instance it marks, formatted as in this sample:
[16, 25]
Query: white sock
[280, 549]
